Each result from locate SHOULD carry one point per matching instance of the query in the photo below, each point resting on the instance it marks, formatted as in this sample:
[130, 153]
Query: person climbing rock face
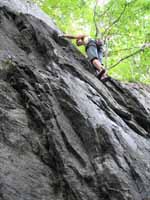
[94, 50]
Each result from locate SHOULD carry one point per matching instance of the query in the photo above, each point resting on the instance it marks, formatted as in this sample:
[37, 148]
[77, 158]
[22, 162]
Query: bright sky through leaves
[102, 2]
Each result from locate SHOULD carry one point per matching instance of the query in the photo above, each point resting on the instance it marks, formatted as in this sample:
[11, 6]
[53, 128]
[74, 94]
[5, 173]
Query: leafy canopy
[124, 24]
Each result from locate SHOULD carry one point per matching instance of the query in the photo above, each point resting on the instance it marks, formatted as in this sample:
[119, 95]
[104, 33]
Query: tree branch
[143, 47]
[126, 49]
[107, 30]
[94, 19]
[105, 11]
[99, 16]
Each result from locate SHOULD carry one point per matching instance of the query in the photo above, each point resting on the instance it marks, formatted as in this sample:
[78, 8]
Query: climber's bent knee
[94, 61]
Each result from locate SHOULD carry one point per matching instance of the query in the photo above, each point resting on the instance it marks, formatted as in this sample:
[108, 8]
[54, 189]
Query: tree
[123, 24]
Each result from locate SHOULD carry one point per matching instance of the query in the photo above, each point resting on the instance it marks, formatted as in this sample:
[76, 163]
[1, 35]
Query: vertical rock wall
[63, 134]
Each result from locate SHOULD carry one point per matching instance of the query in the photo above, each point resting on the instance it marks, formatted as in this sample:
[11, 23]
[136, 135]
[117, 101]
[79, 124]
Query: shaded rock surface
[28, 7]
[63, 134]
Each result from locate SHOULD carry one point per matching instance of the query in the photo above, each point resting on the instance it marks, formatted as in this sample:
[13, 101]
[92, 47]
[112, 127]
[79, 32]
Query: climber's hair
[79, 42]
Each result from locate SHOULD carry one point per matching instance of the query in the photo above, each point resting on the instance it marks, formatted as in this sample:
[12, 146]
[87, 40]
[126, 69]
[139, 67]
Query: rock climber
[94, 51]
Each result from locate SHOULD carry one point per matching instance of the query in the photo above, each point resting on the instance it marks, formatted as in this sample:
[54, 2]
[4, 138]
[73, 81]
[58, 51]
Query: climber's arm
[81, 36]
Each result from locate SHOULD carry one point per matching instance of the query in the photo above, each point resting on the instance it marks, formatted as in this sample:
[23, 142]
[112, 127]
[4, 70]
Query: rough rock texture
[63, 134]
[27, 7]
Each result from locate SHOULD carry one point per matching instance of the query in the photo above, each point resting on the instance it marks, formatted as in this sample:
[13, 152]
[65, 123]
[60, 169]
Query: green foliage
[126, 22]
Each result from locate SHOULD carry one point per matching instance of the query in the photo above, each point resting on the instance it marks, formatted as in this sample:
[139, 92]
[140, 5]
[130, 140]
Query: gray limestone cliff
[63, 134]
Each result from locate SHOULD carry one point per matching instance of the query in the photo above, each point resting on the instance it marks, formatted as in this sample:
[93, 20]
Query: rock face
[63, 134]
[27, 7]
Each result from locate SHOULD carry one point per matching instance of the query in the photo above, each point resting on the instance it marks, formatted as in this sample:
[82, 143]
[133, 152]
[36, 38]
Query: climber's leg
[93, 57]
[97, 64]
[96, 61]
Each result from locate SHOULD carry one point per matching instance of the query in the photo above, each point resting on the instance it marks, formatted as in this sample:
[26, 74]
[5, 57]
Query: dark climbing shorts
[92, 53]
